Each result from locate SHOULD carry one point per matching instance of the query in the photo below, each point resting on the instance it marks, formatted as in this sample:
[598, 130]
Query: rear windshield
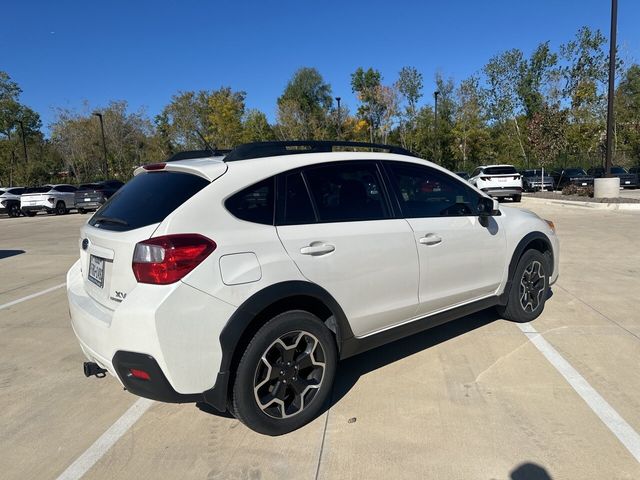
[618, 170]
[90, 186]
[40, 189]
[147, 199]
[499, 170]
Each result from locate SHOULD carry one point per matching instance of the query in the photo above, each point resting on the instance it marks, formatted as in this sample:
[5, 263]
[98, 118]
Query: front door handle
[430, 239]
[320, 249]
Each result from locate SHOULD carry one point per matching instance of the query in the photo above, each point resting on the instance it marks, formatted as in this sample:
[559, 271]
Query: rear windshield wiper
[114, 220]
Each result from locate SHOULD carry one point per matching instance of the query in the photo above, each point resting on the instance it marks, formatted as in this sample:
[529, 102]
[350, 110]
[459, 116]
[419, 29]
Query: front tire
[529, 288]
[14, 211]
[286, 373]
[60, 208]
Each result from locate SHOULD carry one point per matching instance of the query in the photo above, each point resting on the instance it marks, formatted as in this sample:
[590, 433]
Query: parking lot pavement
[472, 399]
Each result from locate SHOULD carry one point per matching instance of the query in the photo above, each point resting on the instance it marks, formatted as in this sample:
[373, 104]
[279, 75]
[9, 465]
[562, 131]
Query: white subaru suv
[498, 181]
[241, 280]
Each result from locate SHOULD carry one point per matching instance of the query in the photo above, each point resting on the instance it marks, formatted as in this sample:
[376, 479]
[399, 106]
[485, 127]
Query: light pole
[435, 125]
[24, 142]
[104, 146]
[339, 124]
[612, 78]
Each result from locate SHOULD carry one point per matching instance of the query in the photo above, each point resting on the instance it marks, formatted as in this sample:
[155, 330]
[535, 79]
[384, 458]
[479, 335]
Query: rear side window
[254, 203]
[347, 192]
[147, 199]
[499, 170]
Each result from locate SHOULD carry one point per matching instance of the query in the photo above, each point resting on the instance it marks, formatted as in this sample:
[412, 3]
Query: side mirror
[488, 207]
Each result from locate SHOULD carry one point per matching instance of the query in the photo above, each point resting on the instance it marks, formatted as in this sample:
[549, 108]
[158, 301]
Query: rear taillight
[485, 178]
[167, 259]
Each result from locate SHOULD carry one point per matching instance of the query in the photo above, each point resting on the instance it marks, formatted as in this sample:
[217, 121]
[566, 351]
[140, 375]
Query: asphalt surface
[473, 399]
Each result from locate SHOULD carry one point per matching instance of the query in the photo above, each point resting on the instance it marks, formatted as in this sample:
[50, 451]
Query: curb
[593, 205]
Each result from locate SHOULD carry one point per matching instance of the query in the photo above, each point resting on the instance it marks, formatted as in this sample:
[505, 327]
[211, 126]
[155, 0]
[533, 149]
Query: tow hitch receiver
[92, 368]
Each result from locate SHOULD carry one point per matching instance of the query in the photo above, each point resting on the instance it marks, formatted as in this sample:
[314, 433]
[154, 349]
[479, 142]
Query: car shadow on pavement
[10, 253]
[529, 471]
[351, 369]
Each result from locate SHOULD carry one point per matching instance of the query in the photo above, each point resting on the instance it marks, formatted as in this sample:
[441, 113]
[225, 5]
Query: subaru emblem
[85, 243]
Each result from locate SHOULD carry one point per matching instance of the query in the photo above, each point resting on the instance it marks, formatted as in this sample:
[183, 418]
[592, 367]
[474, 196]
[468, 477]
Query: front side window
[347, 192]
[254, 203]
[425, 192]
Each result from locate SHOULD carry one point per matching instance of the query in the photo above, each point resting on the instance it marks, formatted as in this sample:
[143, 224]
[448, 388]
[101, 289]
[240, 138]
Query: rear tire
[529, 287]
[517, 198]
[60, 208]
[286, 373]
[82, 211]
[14, 211]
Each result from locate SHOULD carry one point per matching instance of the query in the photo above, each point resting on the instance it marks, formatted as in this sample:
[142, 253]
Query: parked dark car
[571, 176]
[464, 175]
[627, 179]
[91, 196]
[635, 170]
[532, 180]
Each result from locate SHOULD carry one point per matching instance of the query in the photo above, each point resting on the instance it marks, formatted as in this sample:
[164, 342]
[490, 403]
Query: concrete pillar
[606, 187]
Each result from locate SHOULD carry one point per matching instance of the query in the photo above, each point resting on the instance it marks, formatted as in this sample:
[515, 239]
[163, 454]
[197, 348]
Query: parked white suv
[58, 199]
[241, 280]
[10, 200]
[499, 181]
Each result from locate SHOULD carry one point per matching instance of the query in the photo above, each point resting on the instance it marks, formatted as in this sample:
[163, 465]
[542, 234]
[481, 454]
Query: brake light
[167, 259]
[155, 166]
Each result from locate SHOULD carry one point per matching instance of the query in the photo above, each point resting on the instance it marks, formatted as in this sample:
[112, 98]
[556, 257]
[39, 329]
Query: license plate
[584, 184]
[627, 182]
[502, 179]
[87, 199]
[96, 270]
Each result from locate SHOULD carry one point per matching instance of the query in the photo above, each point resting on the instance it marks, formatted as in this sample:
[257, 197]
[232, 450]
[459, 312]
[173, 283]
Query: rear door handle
[430, 239]
[321, 249]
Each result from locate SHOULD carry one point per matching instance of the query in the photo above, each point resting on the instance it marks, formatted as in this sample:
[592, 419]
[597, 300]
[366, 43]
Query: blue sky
[65, 52]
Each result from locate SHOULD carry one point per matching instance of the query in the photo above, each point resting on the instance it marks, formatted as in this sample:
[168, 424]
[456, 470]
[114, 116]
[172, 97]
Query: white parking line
[96, 451]
[33, 295]
[612, 419]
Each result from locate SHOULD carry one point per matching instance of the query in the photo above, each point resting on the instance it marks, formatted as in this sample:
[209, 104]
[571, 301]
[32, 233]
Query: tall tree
[186, 115]
[409, 86]
[469, 130]
[256, 127]
[366, 85]
[304, 106]
[226, 109]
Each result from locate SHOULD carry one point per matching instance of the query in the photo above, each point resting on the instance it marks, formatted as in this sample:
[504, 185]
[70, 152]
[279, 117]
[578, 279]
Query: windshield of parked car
[574, 172]
[505, 170]
[618, 170]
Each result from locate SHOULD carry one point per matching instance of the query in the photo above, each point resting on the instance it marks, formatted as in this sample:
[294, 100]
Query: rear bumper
[172, 332]
[36, 208]
[88, 205]
[502, 191]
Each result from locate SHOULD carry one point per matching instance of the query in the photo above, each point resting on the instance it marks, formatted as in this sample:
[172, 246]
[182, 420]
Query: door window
[347, 192]
[426, 192]
[296, 209]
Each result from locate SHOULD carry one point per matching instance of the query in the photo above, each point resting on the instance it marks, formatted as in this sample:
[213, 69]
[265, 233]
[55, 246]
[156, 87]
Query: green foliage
[303, 107]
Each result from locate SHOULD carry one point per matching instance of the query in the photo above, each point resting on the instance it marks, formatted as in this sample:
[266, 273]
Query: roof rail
[272, 149]
[188, 154]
